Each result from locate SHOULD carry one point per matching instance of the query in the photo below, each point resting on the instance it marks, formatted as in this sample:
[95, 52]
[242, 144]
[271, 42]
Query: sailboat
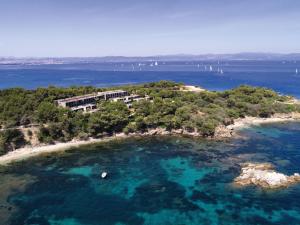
[221, 71]
[103, 175]
[296, 71]
[210, 68]
[156, 63]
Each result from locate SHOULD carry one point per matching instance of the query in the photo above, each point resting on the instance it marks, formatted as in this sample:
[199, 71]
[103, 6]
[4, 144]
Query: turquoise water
[171, 180]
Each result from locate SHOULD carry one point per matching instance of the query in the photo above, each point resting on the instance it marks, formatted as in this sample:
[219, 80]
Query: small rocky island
[264, 175]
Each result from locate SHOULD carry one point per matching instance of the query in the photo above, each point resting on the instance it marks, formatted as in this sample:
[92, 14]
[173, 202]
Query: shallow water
[171, 180]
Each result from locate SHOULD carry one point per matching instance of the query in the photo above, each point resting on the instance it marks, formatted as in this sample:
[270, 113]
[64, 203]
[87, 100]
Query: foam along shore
[264, 175]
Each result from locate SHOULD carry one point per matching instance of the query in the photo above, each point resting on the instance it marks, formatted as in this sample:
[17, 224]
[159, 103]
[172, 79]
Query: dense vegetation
[170, 109]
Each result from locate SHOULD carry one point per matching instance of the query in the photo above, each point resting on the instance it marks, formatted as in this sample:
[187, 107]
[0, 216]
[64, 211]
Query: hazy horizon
[158, 55]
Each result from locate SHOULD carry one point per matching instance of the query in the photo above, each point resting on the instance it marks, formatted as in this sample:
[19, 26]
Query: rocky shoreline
[221, 133]
[38, 149]
[231, 130]
[265, 176]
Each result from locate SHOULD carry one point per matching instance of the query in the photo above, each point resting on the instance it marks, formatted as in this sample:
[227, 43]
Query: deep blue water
[278, 75]
[171, 180]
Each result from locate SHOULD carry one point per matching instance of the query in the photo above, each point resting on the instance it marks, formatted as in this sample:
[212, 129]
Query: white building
[89, 102]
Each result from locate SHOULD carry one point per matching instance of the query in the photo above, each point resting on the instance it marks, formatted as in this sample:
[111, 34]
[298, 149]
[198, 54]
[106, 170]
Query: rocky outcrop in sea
[264, 175]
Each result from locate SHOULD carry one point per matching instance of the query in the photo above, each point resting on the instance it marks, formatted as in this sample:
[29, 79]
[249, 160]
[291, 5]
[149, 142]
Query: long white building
[89, 102]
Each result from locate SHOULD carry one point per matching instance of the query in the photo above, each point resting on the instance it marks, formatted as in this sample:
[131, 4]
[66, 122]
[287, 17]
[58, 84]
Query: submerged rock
[223, 132]
[265, 176]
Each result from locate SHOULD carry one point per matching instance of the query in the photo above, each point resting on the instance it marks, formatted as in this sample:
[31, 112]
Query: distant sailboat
[221, 71]
[296, 71]
[156, 63]
[210, 68]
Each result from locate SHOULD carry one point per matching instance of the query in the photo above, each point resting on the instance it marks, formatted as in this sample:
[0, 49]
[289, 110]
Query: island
[52, 118]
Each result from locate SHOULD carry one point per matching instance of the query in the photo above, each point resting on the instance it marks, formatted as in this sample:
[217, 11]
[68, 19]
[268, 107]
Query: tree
[47, 112]
[112, 117]
[11, 139]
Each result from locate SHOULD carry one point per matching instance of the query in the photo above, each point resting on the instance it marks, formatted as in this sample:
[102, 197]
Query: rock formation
[265, 176]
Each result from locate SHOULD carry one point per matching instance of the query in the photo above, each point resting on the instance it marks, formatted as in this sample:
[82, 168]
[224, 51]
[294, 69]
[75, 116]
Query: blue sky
[147, 27]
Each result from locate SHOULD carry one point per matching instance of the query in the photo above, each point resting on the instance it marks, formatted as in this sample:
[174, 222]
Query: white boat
[221, 71]
[296, 71]
[103, 175]
[156, 63]
[210, 68]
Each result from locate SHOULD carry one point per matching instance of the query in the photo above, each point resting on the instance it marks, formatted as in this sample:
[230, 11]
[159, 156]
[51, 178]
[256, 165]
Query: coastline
[31, 151]
[252, 121]
[222, 132]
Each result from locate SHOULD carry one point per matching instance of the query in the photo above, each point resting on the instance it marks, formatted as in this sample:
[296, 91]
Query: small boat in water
[296, 71]
[103, 175]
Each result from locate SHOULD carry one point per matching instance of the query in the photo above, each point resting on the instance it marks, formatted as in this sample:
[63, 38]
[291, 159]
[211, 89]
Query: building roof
[94, 95]
[77, 98]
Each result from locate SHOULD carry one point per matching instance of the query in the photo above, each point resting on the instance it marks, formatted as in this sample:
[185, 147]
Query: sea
[213, 75]
[156, 180]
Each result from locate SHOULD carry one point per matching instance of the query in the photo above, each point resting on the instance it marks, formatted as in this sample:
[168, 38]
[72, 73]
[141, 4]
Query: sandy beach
[27, 152]
[192, 88]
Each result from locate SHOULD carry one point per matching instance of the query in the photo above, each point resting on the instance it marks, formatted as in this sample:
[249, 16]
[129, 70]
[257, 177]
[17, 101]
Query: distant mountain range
[179, 57]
